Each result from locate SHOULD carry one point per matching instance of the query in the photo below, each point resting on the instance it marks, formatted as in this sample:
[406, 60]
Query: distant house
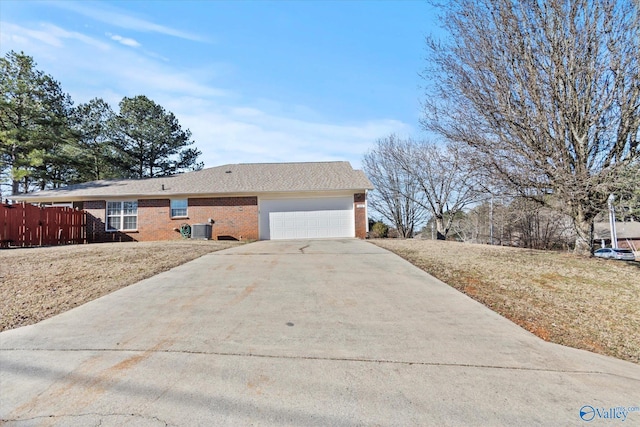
[241, 202]
[628, 234]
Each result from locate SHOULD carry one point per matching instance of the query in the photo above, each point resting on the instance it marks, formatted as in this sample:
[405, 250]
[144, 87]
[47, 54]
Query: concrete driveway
[304, 333]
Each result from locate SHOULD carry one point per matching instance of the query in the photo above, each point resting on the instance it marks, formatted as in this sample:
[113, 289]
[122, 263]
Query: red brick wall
[96, 214]
[360, 215]
[234, 218]
[154, 220]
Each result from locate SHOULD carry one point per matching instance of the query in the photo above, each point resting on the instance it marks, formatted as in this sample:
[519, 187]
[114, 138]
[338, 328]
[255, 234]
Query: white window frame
[181, 208]
[121, 214]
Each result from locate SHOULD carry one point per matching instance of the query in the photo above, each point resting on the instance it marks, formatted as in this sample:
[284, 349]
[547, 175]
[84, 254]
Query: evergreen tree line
[47, 142]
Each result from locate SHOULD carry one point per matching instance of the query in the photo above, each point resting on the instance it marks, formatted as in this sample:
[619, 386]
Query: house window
[122, 215]
[179, 208]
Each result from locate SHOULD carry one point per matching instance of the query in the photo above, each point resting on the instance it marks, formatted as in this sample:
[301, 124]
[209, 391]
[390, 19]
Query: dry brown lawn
[586, 303]
[37, 283]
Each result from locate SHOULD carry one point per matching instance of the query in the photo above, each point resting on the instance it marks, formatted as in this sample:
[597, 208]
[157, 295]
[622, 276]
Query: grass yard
[586, 303]
[37, 283]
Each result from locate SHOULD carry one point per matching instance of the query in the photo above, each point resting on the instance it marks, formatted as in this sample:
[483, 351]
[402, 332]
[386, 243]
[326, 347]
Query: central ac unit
[201, 231]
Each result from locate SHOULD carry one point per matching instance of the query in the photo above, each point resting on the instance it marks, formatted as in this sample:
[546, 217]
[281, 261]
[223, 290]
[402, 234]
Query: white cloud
[141, 75]
[123, 40]
[48, 34]
[241, 134]
[73, 35]
[83, 70]
[25, 36]
[228, 125]
[121, 19]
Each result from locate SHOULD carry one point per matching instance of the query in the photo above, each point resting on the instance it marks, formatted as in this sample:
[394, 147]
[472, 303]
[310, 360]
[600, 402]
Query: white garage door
[307, 218]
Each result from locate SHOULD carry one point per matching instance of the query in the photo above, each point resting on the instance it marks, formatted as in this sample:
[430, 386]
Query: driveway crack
[100, 416]
[338, 359]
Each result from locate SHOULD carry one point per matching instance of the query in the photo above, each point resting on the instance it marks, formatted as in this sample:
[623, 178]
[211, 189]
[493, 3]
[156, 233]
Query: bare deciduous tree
[414, 179]
[445, 177]
[396, 196]
[548, 94]
[519, 222]
[533, 226]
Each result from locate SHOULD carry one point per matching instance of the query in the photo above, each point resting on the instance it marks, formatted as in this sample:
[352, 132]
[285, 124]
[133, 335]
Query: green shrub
[379, 230]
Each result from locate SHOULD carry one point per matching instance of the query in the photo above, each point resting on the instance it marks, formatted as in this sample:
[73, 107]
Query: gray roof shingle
[624, 230]
[243, 178]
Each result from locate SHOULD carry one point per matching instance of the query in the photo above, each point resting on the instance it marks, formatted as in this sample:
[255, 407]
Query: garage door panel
[307, 218]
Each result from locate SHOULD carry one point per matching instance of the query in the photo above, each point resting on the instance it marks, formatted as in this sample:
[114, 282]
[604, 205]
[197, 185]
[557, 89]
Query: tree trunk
[441, 232]
[584, 234]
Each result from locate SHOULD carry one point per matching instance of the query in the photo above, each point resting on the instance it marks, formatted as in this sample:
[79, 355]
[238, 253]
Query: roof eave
[168, 195]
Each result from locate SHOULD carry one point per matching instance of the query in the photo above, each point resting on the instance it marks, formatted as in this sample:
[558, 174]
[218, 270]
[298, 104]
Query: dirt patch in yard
[37, 283]
[587, 303]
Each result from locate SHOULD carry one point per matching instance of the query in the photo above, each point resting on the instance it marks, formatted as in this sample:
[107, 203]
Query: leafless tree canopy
[397, 195]
[547, 92]
[445, 179]
[418, 179]
[516, 222]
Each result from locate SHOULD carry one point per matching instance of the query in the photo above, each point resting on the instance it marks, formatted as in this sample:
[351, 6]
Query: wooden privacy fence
[27, 225]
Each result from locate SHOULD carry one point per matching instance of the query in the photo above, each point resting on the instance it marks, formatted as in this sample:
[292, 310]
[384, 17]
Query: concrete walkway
[303, 333]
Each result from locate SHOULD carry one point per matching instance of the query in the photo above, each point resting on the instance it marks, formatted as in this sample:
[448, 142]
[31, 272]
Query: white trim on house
[61, 205]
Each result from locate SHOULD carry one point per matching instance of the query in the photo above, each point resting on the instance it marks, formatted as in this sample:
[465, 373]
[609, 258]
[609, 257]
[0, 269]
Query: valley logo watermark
[617, 413]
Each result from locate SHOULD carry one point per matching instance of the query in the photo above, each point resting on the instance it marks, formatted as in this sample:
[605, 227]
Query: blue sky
[254, 81]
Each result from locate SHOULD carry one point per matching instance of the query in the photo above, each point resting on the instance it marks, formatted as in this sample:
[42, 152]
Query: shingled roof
[624, 230]
[243, 178]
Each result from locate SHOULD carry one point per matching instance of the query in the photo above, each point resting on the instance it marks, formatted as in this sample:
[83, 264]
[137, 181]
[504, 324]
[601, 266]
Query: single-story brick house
[241, 201]
[628, 234]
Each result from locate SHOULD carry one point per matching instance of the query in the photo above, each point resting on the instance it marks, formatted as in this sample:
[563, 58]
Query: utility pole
[612, 221]
[491, 218]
